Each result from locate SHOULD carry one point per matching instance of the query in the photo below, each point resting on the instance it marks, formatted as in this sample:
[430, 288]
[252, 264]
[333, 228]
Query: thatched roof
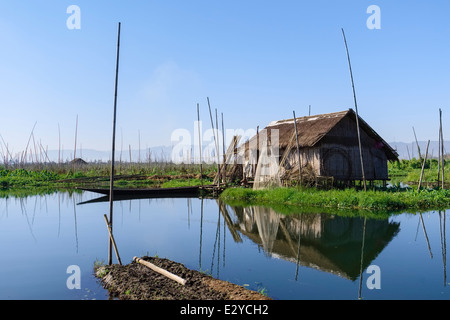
[312, 129]
[78, 161]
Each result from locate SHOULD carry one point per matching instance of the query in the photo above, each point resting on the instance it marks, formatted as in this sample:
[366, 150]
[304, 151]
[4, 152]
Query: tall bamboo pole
[200, 144]
[224, 172]
[75, 147]
[215, 141]
[417, 143]
[298, 150]
[111, 185]
[356, 110]
[442, 147]
[423, 167]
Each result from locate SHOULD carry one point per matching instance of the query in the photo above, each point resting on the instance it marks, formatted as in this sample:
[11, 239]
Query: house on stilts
[328, 152]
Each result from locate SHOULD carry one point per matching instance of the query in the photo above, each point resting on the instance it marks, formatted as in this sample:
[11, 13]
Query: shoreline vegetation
[46, 177]
[347, 199]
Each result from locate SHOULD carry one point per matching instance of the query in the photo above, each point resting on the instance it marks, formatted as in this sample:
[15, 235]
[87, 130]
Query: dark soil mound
[138, 282]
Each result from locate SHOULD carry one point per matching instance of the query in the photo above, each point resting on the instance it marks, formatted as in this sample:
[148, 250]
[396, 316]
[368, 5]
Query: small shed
[329, 149]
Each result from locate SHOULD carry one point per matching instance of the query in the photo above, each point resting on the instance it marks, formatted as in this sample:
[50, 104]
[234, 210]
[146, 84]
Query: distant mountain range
[409, 150]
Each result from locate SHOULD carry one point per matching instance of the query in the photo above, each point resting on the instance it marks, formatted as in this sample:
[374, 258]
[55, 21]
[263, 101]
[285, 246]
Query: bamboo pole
[75, 148]
[356, 110]
[111, 184]
[298, 151]
[442, 147]
[111, 238]
[439, 155]
[59, 145]
[215, 140]
[417, 143]
[160, 270]
[200, 144]
[224, 171]
[423, 167]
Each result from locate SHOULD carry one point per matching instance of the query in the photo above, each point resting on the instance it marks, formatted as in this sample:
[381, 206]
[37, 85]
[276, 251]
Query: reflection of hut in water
[328, 243]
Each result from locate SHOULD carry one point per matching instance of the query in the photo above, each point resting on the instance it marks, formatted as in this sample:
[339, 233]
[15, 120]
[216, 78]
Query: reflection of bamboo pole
[443, 244]
[229, 222]
[362, 258]
[298, 251]
[201, 236]
[426, 236]
[423, 167]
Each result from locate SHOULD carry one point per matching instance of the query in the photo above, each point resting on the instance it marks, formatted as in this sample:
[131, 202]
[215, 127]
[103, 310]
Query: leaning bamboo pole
[111, 237]
[160, 271]
[417, 143]
[111, 184]
[356, 110]
[423, 167]
[298, 151]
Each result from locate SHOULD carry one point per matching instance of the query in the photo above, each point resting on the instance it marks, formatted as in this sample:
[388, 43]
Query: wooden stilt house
[328, 149]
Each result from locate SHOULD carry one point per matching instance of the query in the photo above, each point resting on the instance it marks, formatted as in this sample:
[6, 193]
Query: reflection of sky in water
[307, 256]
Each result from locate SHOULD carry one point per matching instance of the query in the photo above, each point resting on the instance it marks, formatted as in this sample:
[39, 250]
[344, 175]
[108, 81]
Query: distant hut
[78, 162]
[329, 150]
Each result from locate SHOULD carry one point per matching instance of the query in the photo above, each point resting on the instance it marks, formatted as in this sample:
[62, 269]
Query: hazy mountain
[163, 153]
[409, 150]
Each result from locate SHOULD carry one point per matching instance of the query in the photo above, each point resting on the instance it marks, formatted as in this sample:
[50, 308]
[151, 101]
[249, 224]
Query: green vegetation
[126, 175]
[53, 177]
[343, 199]
[408, 171]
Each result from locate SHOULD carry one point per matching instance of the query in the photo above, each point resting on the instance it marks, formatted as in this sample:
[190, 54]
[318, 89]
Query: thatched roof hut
[78, 162]
[328, 146]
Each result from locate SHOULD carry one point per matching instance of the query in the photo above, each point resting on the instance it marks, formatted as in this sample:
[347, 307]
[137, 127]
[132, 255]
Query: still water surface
[288, 257]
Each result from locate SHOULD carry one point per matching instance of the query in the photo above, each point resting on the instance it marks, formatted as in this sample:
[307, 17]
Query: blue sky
[257, 61]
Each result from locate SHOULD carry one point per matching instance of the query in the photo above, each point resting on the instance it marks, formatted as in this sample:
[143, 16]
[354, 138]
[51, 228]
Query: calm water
[297, 256]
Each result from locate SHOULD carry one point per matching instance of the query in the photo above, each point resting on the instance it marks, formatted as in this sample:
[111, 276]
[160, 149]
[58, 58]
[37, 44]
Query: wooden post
[298, 151]
[111, 183]
[356, 110]
[423, 167]
[200, 144]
